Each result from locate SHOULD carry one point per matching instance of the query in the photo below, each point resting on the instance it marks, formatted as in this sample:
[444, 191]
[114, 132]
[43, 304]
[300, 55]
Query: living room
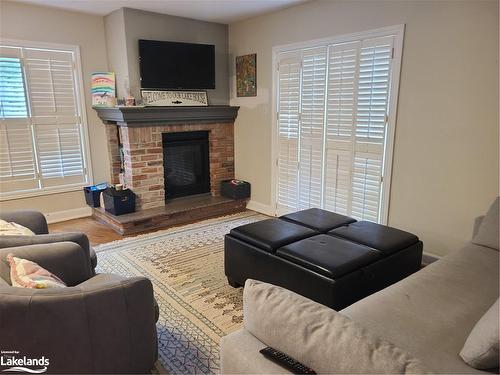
[342, 165]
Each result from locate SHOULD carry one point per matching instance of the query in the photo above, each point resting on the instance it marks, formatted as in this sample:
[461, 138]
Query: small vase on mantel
[129, 101]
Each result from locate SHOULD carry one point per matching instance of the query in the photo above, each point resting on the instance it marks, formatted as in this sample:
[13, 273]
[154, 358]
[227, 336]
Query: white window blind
[311, 127]
[12, 94]
[288, 130]
[42, 148]
[372, 107]
[342, 118]
[340, 135]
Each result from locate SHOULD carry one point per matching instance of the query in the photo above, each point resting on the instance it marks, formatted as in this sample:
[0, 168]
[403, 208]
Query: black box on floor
[119, 202]
[93, 194]
[235, 189]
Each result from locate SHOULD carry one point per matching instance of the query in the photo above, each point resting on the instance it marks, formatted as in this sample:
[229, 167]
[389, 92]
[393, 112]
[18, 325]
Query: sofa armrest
[31, 219]
[76, 237]
[67, 260]
[318, 336]
[135, 296]
[104, 325]
[104, 279]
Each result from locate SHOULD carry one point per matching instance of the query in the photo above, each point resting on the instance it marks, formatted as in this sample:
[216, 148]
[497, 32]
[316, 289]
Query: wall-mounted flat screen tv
[176, 66]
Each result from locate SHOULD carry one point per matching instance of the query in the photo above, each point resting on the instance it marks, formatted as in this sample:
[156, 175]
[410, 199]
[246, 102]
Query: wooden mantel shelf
[149, 116]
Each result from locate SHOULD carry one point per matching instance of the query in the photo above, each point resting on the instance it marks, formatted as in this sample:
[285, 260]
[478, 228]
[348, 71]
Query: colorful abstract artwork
[246, 75]
[103, 89]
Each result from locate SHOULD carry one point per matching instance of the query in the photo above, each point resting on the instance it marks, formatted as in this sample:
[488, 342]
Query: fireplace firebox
[186, 164]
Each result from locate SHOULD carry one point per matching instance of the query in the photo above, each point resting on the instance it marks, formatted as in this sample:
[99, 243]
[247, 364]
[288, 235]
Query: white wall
[35, 23]
[446, 160]
[124, 28]
[114, 27]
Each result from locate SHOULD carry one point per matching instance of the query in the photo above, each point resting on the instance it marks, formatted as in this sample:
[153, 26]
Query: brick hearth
[143, 157]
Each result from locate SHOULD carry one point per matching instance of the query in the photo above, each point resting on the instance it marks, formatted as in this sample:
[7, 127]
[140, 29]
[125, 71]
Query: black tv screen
[176, 66]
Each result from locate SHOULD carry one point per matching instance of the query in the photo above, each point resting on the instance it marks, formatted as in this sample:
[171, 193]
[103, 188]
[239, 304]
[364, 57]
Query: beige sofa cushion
[240, 354]
[318, 336]
[488, 232]
[481, 348]
[431, 313]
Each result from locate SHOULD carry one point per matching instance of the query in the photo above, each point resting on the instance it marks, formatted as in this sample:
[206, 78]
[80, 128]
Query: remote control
[285, 361]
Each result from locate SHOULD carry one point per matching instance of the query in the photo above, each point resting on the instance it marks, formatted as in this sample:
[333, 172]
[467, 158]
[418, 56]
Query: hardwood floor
[96, 232]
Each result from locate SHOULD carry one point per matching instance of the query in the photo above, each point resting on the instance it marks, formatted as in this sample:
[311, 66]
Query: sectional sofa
[419, 324]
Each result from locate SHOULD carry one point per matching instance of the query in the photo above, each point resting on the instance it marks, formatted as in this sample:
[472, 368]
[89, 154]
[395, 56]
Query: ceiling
[221, 11]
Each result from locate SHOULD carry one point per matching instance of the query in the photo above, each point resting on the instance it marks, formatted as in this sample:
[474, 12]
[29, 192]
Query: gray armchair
[35, 221]
[98, 324]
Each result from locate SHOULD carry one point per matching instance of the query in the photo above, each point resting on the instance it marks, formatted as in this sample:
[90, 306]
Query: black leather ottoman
[328, 255]
[336, 269]
[385, 239]
[266, 236]
[271, 233]
[317, 219]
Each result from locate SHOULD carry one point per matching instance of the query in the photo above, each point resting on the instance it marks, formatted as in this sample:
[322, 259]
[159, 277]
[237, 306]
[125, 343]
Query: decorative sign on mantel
[174, 98]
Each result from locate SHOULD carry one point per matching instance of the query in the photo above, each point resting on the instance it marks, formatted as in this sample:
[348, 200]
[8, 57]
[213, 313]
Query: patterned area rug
[186, 267]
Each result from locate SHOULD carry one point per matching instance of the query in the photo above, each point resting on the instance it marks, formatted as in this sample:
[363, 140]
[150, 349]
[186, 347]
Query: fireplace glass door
[186, 163]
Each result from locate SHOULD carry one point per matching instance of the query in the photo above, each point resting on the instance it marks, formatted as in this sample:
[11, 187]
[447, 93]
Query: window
[335, 103]
[42, 133]
[12, 97]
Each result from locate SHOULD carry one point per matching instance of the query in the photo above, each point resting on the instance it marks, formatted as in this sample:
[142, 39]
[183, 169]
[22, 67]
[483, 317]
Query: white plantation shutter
[50, 137]
[17, 161]
[342, 127]
[312, 127]
[12, 90]
[340, 131]
[371, 122]
[288, 130]
[17, 158]
[55, 115]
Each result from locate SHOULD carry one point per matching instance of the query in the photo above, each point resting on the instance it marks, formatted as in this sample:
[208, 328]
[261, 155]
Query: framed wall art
[246, 75]
[103, 88]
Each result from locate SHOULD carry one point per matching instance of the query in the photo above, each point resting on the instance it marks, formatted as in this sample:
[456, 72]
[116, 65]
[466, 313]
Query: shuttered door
[340, 129]
[55, 116]
[312, 127]
[371, 124]
[343, 106]
[288, 131]
[17, 160]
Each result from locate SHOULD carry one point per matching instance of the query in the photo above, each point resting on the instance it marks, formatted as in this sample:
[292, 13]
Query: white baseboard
[75, 213]
[265, 209]
[428, 258]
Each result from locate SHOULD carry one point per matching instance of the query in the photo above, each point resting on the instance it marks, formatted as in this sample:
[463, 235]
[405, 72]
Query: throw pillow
[481, 348]
[27, 274]
[488, 232]
[14, 229]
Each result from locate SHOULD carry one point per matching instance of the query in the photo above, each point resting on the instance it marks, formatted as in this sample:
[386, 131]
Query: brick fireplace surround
[143, 157]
